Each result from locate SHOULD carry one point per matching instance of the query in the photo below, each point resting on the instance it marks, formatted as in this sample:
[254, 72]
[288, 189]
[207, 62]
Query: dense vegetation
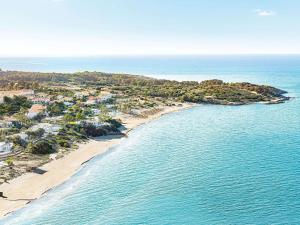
[56, 109]
[84, 105]
[42, 146]
[211, 91]
[13, 105]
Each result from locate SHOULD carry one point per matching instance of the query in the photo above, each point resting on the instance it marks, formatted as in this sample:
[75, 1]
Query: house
[67, 99]
[68, 104]
[41, 100]
[47, 127]
[22, 135]
[93, 122]
[3, 125]
[5, 148]
[27, 92]
[35, 110]
[96, 111]
[92, 100]
[81, 94]
[10, 123]
[54, 118]
[60, 97]
[106, 98]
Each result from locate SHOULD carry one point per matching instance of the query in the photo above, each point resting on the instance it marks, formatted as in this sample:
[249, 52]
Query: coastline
[31, 186]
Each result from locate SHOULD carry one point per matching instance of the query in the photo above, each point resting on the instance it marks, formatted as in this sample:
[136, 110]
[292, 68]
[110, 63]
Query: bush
[72, 131]
[93, 131]
[9, 161]
[36, 134]
[42, 147]
[17, 141]
[56, 109]
[63, 141]
[115, 123]
[13, 105]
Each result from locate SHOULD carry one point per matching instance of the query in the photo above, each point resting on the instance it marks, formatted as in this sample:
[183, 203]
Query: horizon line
[145, 55]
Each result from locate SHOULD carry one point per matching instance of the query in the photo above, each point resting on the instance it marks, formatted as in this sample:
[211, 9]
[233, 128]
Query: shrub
[9, 161]
[115, 123]
[56, 109]
[42, 147]
[63, 141]
[93, 131]
[17, 141]
[36, 134]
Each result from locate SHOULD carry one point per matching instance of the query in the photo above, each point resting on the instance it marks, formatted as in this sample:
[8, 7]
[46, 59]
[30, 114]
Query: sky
[148, 27]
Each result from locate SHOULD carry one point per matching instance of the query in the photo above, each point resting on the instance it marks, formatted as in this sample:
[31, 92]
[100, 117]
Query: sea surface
[206, 165]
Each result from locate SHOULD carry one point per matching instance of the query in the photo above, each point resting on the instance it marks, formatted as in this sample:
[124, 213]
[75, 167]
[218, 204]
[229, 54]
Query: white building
[27, 92]
[23, 136]
[5, 148]
[106, 98]
[92, 100]
[41, 100]
[96, 111]
[35, 110]
[47, 127]
[68, 104]
[95, 122]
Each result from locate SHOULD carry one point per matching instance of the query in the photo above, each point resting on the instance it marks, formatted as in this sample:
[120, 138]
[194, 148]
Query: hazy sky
[100, 27]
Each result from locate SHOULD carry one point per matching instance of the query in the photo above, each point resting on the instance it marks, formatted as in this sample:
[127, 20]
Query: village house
[47, 127]
[53, 119]
[4, 125]
[41, 100]
[35, 110]
[106, 98]
[81, 94]
[60, 97]
[27, 92]
[94, 122]
[96, 111]
[22, 135]
[9, 122]
[5, 148]
[92, 100]
[68, 104]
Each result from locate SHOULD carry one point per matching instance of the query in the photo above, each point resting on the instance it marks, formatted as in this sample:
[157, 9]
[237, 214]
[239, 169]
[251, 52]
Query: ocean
[205, 165]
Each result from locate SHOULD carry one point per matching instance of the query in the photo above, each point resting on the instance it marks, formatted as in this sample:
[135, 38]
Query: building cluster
[40, 103]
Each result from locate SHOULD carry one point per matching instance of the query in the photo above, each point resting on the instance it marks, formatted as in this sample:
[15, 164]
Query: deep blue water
[206, 165]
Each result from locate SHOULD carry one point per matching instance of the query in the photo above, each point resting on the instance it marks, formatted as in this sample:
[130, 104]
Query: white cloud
[261, 12]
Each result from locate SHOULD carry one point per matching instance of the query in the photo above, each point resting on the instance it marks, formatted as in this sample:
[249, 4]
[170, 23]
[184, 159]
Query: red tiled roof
[37, 108]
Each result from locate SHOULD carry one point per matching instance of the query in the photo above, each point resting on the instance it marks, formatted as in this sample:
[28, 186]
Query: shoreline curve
[28, 187]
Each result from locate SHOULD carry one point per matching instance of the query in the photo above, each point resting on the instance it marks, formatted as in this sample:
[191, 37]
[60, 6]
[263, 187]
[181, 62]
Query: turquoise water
[205, 165]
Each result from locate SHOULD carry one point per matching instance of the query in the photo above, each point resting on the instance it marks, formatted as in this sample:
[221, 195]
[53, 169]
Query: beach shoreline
[31, 186]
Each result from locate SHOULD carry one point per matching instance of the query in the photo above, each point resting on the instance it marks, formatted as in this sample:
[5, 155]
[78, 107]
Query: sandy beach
[30, 186]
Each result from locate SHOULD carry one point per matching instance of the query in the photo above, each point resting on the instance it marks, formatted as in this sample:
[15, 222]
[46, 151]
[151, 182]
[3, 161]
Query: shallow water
[205, 165]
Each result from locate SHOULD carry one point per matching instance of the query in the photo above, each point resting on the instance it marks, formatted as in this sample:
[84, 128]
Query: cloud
[261, 12]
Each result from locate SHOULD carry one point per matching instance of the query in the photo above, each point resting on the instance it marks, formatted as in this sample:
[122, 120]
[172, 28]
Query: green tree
[104, 115]
[56, 109]
[9, 161]
[42, 147]
[21, 116]
[79, 116]
[69, 117]
[39, 133]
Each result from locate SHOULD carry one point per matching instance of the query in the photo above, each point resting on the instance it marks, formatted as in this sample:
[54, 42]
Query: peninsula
[51, 123]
